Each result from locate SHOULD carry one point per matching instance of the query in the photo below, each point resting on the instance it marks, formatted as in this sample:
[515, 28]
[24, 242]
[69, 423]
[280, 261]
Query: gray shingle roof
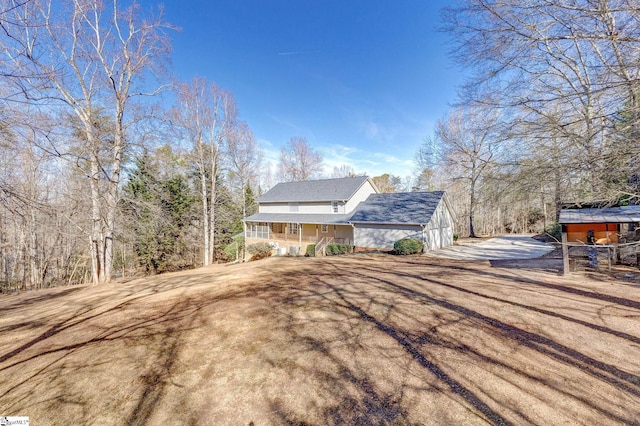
[625, 214]
[314, 190]
[409, 208]
[323, 219]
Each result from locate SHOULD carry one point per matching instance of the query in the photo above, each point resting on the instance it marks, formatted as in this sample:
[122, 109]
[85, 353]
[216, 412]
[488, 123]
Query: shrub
[334, 249]
[408, 246]
[233, 250]
[311, 250]
[259, 250]
[455, 237]
[554, 231]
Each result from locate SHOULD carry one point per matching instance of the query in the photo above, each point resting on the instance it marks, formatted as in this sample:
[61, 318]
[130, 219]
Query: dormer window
[334, 206]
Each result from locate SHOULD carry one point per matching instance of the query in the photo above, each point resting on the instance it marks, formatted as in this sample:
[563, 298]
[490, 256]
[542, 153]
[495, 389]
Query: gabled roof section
[407, 208]
[341, 189]
[624, 214]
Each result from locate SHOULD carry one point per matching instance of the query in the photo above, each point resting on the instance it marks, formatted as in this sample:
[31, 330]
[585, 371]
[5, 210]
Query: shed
[605, 226]
[383, 219]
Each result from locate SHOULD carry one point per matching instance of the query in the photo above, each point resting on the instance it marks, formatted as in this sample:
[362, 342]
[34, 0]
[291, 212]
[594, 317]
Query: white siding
[301, 208]
[361, 194]
[273, 208]
[439, 230]
[315, 208]
[384, 236]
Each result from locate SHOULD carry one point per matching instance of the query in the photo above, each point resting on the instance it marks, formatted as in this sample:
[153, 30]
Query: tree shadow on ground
[360, 303]
[539, 264]
[346, 341]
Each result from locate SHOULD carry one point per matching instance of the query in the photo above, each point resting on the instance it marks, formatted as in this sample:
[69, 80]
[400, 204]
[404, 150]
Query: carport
[616, 229]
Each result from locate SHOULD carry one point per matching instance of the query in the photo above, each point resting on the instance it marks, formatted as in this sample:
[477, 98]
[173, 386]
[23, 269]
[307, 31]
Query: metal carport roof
[624, 214]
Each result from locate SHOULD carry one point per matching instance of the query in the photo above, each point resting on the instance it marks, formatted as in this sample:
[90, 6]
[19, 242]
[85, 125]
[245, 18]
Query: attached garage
[383, 219]
[439, 229]
[371, 235]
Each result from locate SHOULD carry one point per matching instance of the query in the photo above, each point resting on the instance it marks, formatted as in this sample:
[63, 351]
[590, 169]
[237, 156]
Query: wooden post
[244, 254]
[565, 252]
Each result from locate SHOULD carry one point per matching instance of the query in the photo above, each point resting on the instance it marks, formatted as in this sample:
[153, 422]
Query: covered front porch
[297, 234]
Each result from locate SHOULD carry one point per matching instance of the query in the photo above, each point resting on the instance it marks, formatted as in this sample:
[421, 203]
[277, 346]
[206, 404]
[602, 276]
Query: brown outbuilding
[612, 228]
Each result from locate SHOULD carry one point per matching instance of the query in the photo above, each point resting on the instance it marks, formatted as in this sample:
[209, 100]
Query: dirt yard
[359, 339]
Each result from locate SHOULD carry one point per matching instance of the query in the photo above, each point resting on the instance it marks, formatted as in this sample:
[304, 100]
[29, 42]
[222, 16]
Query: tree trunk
[212, 212]
[111, 204]
[557, 183]
[206, 256]
[472, 204]
[96, 240]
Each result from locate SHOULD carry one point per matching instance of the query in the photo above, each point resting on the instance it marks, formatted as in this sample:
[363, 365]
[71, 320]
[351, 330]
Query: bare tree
[465, 146]
[205, 114]
[243, 157]
[88, 57]
[344, 170]
[423, 181]
[193, 116]
[563, 69]
[266, 179]
[299, 161]
[388, 183]
[40, 240]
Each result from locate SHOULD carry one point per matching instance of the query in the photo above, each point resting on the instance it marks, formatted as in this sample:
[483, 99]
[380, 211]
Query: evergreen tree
[158, 210]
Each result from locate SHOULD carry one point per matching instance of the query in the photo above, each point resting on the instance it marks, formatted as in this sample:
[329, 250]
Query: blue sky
[363, 81]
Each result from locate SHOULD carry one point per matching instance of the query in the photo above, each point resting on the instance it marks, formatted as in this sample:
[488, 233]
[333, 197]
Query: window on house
[293, 228]
[258, 230]
[334, 206]
[325, 228]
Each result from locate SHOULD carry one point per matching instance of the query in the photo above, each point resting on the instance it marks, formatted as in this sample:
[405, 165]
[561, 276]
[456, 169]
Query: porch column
[300, 237]
[353, 236]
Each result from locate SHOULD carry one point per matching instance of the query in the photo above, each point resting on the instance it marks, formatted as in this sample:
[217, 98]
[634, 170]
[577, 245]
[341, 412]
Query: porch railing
[321, 245]
[290, 237]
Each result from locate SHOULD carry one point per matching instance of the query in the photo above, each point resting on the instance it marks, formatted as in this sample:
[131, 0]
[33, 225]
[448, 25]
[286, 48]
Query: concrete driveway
[505, 247]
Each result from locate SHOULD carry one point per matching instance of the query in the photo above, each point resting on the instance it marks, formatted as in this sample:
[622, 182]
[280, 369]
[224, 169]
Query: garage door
[383, 237]
[439, 238]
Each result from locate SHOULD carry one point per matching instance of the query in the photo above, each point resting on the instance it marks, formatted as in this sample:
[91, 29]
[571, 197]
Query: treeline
[549, 114]
[109, 166]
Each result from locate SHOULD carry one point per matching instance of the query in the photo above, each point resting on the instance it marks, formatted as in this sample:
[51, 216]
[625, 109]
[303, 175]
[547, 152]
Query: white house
[348, 211]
